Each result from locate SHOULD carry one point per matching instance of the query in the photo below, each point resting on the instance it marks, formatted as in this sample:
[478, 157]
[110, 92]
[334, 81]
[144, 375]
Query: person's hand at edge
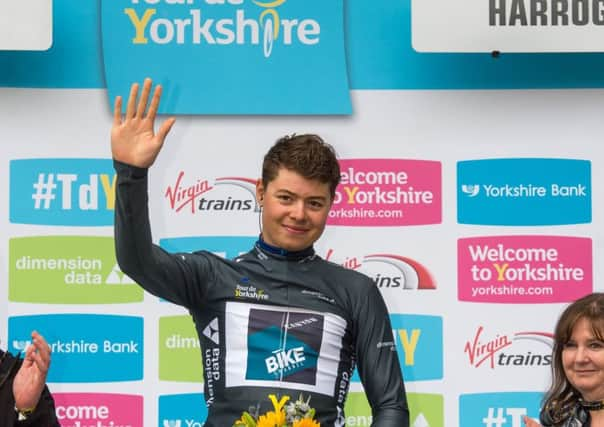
[31, 377]
[529, 422]
[133, 138]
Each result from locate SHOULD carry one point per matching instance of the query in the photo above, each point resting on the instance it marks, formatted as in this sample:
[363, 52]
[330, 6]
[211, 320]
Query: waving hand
[133, 138]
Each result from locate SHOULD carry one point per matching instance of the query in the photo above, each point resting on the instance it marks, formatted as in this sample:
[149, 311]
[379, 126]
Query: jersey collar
[284, 253]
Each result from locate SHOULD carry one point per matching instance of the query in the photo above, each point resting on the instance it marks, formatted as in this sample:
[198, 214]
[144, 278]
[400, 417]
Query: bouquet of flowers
[292, 414]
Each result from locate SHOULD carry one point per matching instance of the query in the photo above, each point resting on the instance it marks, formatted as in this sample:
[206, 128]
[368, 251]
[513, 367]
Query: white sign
[25, 24]
[507, 25]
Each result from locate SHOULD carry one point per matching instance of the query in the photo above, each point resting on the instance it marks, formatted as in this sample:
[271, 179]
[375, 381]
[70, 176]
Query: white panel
[25, 24]
[507, 25]
[447, 126]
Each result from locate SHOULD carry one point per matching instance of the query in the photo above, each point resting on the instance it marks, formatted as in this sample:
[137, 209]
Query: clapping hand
[31, 377]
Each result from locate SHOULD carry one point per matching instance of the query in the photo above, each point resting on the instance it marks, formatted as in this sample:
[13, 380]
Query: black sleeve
[378, 363]
[179, 278]
[44, 415]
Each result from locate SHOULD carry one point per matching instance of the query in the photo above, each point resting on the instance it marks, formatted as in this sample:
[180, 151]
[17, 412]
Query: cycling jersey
[269, 321]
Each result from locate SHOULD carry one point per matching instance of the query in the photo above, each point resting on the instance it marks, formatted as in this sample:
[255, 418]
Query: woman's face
[583, 361]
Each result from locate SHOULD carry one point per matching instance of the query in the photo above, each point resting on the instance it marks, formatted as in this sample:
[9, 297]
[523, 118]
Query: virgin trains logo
[518, 349]
[225, 194]
[390, 271]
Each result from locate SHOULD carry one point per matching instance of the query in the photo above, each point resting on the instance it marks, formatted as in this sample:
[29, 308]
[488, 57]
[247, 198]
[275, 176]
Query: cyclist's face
[294, 210]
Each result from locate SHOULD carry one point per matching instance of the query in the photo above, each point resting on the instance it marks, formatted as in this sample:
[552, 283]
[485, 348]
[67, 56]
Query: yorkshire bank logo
[389, 271]
[68, 270]
[425, 410]
[222, 195]
[524, 191]
[388, 192]
[98, 409]
[470, 190]
[182, 410]
[112, 344]
[524, 269]
[179, 346]
[502, 350]
[498, 409]
[230, 47]
[70, 192]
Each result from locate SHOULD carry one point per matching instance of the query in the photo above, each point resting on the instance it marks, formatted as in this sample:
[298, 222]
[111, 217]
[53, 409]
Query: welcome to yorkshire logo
[152, 26]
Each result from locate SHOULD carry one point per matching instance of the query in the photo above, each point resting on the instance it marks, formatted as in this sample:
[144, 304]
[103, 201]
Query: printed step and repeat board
[469, 195]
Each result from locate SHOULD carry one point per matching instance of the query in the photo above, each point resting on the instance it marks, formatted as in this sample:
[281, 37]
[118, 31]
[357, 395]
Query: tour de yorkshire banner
[230, 56]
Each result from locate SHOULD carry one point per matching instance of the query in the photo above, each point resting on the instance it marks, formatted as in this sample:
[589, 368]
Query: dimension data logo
[520, 349]
[68, 270]
[524, 269]
[224, 195]
[498, 409]
[426, 410]
[112, 344]
[72, 192]
[389, 271]
[524, 192]
[230, 47]
[387, 192]
[182, 410]
[179, 346]
[98, 409]
[419, 345]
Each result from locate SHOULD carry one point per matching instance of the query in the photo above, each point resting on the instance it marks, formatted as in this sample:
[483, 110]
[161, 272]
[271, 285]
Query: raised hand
[133, 138]
[31, 377]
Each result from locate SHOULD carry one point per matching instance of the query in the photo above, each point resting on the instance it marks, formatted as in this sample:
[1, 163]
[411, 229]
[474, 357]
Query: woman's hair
[562, 397]
[307, 155]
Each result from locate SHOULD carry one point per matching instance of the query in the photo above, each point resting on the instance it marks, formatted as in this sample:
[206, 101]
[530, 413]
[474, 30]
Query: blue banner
[85, 347]
[498, 409]
[179, 410]
[72, 192]
[280, 57]
[376, 46]
[524, 191]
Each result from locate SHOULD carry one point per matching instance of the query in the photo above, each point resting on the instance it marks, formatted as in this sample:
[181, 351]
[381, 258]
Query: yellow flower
[282, 415]
[306, 422]
[246, 420]
[271, 419]
[278, 405]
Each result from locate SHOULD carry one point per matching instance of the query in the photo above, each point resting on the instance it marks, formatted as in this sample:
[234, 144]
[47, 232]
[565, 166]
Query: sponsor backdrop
[476, 212]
